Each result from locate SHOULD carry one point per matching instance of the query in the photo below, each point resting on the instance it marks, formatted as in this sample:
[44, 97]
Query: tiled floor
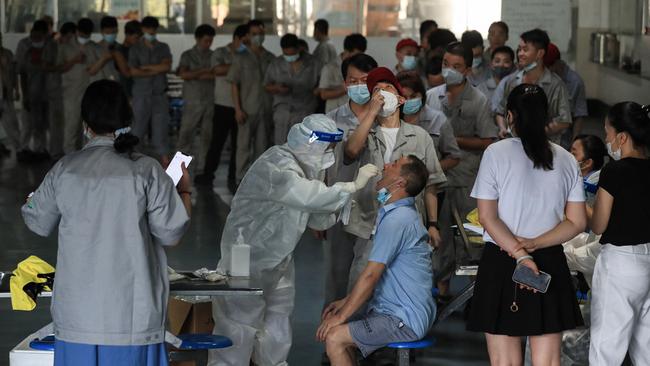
[200, 248]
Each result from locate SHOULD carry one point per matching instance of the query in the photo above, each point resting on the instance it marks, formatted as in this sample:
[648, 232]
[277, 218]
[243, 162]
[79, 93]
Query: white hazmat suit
[281, 195]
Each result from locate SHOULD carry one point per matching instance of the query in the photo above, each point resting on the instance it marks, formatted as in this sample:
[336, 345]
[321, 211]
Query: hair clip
[122, 131]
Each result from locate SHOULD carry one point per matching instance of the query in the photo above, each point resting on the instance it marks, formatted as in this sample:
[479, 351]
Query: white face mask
[390, 103]
[82, 40]
[328, 159]
[616, 155]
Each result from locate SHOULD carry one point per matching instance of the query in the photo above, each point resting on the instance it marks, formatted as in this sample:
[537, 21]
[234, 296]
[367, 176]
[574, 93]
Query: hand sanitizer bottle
[240, 257]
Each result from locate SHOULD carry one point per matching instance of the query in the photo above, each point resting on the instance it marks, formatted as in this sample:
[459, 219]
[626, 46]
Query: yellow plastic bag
[32, 276]
[472, 217]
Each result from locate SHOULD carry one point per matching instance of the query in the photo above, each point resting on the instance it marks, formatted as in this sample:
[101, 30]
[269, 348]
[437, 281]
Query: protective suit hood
[309, 140]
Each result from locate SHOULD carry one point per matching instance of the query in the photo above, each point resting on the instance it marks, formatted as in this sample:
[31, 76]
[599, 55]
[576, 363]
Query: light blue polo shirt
[404, 290]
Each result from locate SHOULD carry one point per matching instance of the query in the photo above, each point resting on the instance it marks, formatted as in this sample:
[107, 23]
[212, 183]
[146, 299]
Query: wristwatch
[434, 224]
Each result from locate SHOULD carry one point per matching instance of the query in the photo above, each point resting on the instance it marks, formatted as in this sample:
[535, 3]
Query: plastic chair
[195, 347]
[404, 349]
[44, 344]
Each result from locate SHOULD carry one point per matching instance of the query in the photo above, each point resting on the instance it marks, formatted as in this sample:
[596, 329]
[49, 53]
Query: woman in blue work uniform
[115, 211]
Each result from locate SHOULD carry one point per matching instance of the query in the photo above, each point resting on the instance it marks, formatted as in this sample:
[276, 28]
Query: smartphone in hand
[525, 276]
[174, 169]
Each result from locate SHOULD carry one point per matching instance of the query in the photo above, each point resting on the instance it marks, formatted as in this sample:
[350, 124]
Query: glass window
[73, 10]
[21, 14]
[226, 15]
[175, 16]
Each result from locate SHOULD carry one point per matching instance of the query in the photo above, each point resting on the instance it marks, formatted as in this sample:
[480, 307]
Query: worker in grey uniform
[292, 79]
[480, 68]
[115, 211]
[415, 111]
[224, 124]
[575, 87]
[468, 112]
[340, 245]
[55, 89]
[251, 101]
[10, 92]
[74, 58]
[149, 62]
[107, 48]
[530, 54]
[31, 69]
[382, 138]
[331, 87]
[501, 65]
[197, 72]
[325, 52]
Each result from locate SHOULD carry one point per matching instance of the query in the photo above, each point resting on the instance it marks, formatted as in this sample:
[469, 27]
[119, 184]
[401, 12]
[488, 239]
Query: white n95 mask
[390, 103]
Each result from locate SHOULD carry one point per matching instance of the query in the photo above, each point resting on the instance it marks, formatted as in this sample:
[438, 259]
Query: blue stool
[403, 348]
[44, 344]
[195, 347]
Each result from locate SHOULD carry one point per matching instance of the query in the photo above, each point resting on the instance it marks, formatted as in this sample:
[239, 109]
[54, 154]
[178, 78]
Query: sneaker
[204, 179]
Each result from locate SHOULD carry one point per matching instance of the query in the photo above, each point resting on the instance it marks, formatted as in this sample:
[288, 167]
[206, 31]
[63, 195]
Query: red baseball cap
[405, 43]
[552, 54]
[382, 74]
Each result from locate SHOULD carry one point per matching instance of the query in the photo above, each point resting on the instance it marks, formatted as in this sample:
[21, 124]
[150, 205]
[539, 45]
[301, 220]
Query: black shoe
[204, 179]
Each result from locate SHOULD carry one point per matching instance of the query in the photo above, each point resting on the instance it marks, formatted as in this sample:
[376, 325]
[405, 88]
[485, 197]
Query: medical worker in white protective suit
[281, 195]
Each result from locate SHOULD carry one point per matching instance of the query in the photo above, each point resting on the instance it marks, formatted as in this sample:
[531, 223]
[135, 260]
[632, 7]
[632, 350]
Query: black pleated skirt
[553, 312]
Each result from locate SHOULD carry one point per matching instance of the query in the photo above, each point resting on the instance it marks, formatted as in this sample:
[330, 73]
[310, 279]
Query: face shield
[312, 142]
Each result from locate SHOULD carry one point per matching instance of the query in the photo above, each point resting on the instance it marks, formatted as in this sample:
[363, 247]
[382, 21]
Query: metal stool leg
[403, 357]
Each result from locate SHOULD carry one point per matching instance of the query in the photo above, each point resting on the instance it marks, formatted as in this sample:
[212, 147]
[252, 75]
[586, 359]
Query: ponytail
[529, 107]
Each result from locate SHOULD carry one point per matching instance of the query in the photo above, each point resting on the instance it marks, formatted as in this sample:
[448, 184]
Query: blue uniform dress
[72, 354]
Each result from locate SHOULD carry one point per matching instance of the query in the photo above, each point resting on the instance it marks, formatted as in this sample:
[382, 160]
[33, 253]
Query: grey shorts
[374, 330]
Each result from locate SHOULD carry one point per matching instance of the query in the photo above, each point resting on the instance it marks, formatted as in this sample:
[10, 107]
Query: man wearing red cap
[406, 53]
[533, 46]
[382, 138]
[575, 87]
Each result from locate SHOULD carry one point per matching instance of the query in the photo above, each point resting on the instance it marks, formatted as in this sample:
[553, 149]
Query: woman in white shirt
[530, 200]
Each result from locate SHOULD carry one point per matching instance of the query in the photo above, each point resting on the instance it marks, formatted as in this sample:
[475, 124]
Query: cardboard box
[185, 316]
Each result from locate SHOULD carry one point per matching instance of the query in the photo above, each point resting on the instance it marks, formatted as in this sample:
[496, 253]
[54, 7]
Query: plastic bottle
[240, 257]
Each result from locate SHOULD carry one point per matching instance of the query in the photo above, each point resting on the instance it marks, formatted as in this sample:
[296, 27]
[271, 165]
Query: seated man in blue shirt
[397, 279]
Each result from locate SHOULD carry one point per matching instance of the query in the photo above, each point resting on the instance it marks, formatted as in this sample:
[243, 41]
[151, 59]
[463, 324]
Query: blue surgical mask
[109, 38]
[359, 93]
[291, 58]
[452, 76]
[530, 67]
[412, 106]
[477, 61]
[501, 71]
[241, 48]
[383, 195]
[149, 37]
[257, 40]
[38, 44]
[409, 63]
[82, 40]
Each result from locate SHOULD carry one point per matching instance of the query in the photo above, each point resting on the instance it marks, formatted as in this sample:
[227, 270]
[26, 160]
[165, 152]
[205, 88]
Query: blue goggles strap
[326, 136]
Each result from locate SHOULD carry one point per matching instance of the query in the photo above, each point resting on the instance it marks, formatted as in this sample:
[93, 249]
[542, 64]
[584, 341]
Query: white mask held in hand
[390, 103]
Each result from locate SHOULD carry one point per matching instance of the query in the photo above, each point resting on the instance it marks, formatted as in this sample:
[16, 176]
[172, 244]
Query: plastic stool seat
[44, 344]
[422, 343]
[203, 341]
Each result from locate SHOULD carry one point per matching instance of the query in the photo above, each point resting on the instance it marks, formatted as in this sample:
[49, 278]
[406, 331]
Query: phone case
[525, 276]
